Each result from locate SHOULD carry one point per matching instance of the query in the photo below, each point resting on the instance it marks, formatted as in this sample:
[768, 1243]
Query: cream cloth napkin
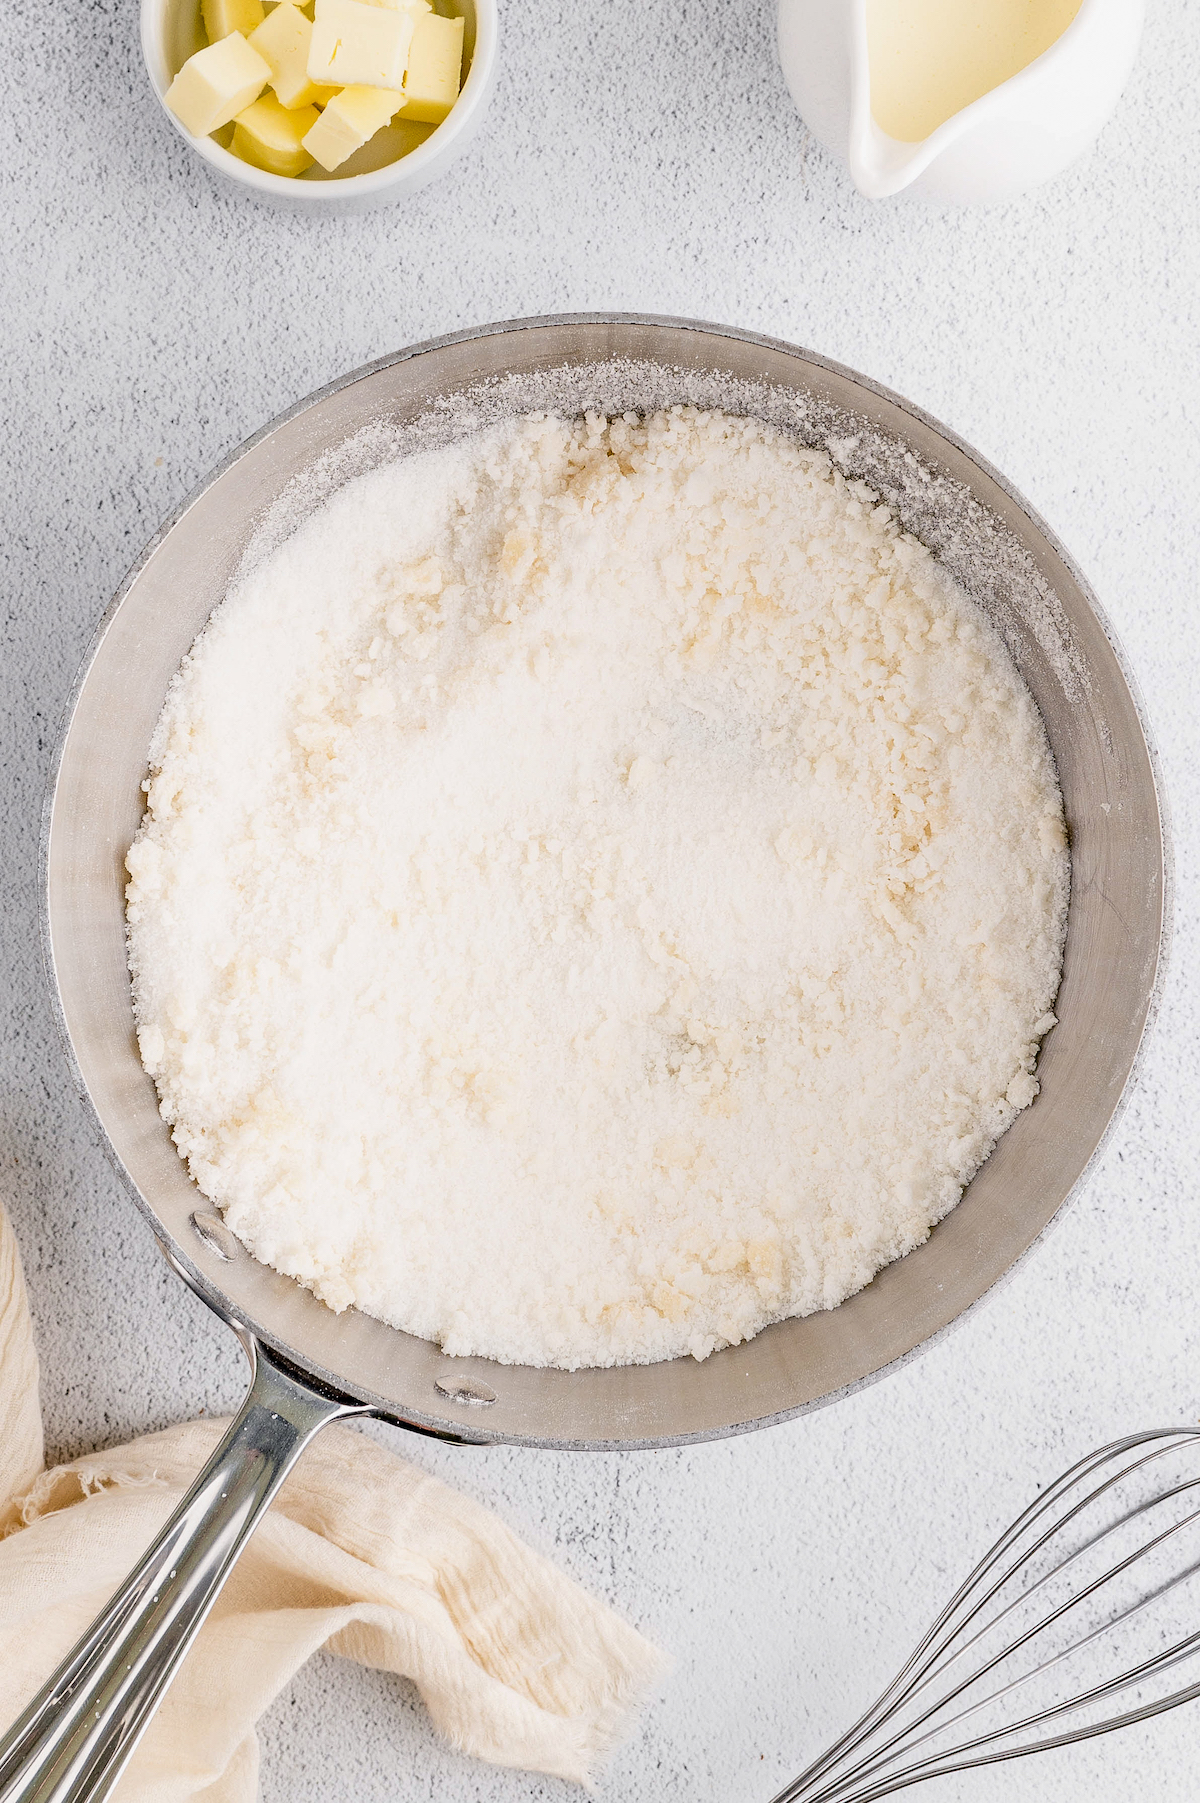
[361, 1554]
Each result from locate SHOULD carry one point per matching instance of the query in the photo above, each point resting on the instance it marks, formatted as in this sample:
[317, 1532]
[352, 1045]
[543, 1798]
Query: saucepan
[311, 1366]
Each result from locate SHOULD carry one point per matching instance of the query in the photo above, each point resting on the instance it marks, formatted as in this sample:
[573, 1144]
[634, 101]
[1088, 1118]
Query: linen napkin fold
[361, 1553]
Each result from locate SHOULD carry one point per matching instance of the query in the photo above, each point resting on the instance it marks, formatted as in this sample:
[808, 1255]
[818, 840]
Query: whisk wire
[924, 1659]
[1162, 1661]
[1058, 1658]
[940, 1765]
[930, 1649]
[1057, 1570]
[877, 1756]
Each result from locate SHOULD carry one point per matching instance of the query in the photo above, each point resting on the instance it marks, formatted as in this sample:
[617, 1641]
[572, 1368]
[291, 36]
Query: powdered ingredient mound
[602, 890]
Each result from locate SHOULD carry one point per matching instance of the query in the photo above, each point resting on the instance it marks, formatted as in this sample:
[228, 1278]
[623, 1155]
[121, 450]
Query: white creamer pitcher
[1020, 132]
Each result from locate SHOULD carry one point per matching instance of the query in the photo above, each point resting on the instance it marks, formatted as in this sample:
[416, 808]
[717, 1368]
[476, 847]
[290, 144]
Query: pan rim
[468, 1430]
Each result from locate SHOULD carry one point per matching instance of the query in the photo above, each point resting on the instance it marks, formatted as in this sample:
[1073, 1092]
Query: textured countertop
[649, 160]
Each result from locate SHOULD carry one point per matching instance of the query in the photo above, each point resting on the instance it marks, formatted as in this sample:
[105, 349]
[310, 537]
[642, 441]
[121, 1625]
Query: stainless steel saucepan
[311, 1366]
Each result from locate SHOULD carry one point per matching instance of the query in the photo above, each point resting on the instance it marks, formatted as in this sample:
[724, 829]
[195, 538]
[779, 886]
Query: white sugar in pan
[602, 891]
[313, 1364]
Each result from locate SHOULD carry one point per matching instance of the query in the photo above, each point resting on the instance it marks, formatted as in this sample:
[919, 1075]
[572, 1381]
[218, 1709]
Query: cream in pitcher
[953, 101]
[931, 58]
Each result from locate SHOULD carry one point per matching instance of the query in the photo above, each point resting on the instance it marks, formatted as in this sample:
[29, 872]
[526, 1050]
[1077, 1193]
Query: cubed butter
[358, 45]
[223, 16]
[282, 40]
[415, 7]
[269, 135]
[350, 119]
[216, 84]
[434, 69]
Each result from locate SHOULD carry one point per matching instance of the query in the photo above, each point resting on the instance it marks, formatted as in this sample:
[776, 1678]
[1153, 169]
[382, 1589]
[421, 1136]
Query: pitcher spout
[882, 165]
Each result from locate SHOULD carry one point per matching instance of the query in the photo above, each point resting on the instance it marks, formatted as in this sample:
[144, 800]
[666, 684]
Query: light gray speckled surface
[646, 159]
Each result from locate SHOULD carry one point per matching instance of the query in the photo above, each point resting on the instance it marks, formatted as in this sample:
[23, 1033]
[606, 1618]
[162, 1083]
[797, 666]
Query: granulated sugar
[602, 891]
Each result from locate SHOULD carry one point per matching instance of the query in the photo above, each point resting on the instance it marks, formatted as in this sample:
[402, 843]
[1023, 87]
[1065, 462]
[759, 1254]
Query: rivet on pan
[216, 1236]
[468, 1390]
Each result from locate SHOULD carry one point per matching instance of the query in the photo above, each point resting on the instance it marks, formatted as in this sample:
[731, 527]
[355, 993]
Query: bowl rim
[464, 1426]
[407, 172]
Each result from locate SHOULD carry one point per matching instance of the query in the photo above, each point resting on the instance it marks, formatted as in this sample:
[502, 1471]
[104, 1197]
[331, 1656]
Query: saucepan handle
[74, 1739]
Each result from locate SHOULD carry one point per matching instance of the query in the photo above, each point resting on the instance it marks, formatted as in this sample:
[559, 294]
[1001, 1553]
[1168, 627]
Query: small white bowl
[171, 32]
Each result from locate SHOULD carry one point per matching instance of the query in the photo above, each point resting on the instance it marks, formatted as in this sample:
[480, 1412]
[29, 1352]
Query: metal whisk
[1084, 1617]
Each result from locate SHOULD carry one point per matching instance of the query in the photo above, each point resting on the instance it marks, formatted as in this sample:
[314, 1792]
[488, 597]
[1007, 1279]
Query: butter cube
[357, 45]
[351, 117]
[415, 7]
[216, 84]
[223, 16]
[434, 69]
[269, 135]
[282, 40]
